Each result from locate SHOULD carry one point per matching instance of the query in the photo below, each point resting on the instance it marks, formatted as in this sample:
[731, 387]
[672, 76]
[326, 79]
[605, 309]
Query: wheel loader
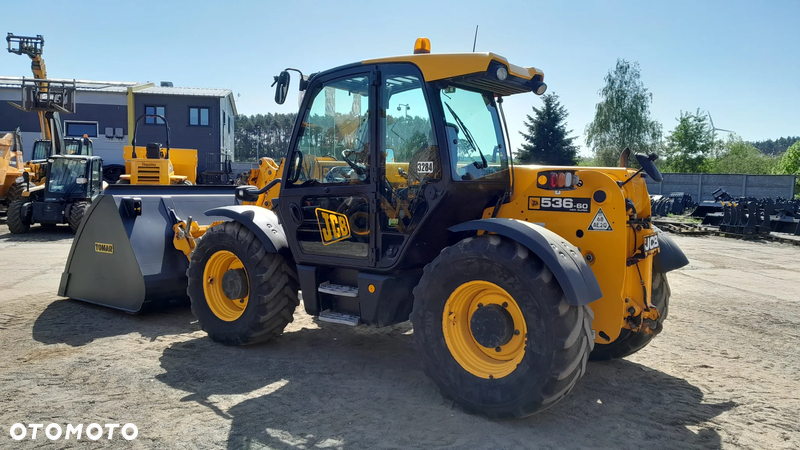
[153, 164]
[512, 276]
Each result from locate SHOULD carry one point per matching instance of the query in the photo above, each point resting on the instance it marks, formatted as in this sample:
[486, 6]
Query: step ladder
[341, 291]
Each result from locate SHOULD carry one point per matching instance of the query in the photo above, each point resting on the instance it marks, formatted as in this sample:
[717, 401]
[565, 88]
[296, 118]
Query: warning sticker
[600, 222]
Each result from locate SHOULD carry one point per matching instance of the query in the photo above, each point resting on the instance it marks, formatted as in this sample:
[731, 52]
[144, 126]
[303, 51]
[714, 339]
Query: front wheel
[629, 342]
[16, 221]
[76, 214]
[241, 294]
[495, 331]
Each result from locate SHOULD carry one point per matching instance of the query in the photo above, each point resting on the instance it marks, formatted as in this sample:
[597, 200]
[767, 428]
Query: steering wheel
[338, 174]
[359, 168]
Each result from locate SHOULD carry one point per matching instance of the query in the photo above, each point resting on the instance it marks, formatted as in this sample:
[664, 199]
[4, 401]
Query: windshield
[474, 135]
[64, 173]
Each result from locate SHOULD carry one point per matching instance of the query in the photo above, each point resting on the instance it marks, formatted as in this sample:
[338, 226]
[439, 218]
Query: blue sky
[739, 60]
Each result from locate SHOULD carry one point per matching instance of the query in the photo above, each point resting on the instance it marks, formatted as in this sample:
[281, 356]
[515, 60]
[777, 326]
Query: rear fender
[562, 258]
[262, 222]
[669, 256]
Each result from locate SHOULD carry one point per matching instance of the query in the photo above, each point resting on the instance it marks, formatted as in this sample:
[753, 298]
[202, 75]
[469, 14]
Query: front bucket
[125, 261]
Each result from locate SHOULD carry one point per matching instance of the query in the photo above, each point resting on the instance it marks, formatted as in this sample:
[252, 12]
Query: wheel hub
[234, 284]
[492, 326]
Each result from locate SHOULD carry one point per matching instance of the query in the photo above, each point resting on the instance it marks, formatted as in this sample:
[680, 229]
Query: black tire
[76, 215]
[273, 287]
[16, 223]
[629, 342]
[123, 181]
[15, 192]
[552, 362]
[185, 183]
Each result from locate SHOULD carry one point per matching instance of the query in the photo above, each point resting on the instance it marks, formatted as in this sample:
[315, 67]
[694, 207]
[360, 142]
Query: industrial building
[106, 111]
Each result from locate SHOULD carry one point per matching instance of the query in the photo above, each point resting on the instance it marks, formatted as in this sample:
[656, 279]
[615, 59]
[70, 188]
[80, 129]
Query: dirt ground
[723, 374]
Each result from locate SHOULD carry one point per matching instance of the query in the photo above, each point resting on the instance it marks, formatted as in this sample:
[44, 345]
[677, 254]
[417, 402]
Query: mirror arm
[623, 183]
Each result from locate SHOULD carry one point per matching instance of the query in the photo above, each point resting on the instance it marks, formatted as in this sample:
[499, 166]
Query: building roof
[140, 88]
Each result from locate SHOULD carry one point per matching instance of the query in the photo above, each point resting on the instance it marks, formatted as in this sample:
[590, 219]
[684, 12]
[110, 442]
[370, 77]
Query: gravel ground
[724, 373]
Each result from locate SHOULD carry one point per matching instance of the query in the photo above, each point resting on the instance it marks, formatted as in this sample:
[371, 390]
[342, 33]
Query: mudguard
[562, 258]
[262, 222]
[669, 256]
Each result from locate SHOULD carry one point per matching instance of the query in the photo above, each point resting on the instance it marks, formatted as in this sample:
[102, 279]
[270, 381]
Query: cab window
[474, 135]
[333, 146]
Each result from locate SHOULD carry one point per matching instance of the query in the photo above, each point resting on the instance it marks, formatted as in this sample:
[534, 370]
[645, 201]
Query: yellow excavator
[512, 276]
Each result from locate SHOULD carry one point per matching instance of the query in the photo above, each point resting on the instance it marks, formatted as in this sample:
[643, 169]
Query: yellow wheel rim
[223, 307]
[481, 361]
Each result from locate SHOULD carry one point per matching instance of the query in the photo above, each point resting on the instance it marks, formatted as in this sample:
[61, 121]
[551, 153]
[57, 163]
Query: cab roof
[442, 66]
[475, 70]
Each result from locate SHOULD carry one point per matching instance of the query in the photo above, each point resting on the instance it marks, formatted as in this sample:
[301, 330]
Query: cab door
[328, 196]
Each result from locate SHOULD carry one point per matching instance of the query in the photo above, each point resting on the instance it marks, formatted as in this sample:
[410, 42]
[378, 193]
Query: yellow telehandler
[513, 276]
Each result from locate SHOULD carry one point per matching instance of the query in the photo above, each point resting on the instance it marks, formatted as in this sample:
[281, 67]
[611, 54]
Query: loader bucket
[126, 260]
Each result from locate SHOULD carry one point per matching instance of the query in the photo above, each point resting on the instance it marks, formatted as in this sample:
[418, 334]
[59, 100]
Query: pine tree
[547, 141]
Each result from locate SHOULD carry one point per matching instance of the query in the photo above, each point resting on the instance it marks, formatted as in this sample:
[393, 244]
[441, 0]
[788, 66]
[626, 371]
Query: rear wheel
[17, 224]
[76, 214]
[184, 183]
[629, 342]
[495, 331]
[241, 294]
[15, 192]
[123, 181]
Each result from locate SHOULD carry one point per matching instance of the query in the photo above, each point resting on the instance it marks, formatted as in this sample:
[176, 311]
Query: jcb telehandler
[513, 277]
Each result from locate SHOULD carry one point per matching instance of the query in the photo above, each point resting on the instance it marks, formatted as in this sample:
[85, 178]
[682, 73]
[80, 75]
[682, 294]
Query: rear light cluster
[562, 180]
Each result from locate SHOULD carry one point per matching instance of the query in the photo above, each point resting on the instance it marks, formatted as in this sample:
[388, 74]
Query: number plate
[650, 243]
[563, 204]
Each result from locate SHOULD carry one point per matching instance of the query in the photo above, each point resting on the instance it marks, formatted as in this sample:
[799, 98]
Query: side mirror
[648, 165]
[282, 88]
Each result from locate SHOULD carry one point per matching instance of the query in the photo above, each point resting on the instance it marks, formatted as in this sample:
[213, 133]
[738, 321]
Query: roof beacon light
[423, 45]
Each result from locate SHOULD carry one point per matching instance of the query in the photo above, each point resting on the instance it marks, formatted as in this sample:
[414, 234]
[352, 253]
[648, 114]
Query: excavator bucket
[123, 254]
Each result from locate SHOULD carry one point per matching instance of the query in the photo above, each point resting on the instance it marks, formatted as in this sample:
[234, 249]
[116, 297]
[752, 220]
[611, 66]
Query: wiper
[468, 135]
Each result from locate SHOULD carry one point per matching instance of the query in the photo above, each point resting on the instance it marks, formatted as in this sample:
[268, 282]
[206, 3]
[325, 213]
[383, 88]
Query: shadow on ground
[337, 387]
[38, 233]
[77, 323]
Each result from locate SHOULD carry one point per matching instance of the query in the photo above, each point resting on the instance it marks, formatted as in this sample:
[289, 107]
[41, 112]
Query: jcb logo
[533, 203]
[333, 227]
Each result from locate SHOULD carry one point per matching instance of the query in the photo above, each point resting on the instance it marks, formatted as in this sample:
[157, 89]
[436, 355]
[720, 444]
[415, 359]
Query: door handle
[296, 212]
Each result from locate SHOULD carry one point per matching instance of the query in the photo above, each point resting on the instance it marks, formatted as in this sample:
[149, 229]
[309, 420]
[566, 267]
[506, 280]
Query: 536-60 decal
[564, 204]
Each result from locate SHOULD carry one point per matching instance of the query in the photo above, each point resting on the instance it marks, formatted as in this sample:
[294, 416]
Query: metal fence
[701, 185]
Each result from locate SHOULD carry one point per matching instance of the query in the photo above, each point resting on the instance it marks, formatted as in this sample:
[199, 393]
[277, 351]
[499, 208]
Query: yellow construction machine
[513, 276]
[48, 98]
[11, 168]
[155, 165]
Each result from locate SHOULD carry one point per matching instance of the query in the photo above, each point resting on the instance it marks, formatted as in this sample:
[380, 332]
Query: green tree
[790, 162]
[738, 156]
[689, 144]
[622, 117]
[547, 140]
[262, 135]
